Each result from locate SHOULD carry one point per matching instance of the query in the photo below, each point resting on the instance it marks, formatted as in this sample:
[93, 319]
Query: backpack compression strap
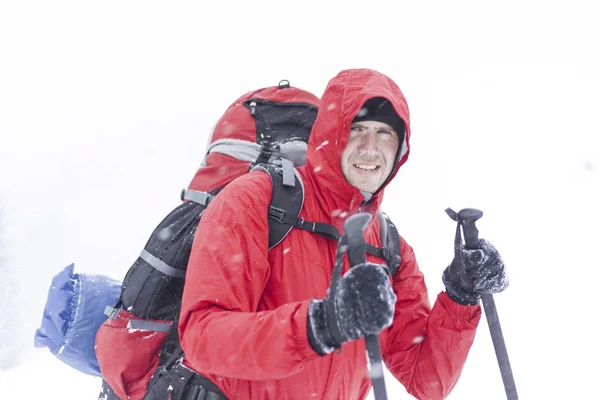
[202, 198]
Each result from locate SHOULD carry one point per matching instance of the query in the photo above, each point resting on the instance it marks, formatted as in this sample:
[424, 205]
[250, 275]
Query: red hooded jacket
[243, 320]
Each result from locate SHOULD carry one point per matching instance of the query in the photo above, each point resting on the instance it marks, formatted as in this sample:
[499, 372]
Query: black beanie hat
[379, 109]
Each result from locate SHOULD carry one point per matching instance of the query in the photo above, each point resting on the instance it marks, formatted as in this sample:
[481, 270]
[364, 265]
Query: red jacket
[244, 315]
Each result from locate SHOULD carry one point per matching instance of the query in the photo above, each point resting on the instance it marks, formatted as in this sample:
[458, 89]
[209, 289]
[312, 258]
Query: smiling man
[253, 320]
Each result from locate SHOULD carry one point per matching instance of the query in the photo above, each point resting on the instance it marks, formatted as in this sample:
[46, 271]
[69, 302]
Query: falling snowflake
[164, 234]
[325, 143]
[375, 371]
[418, 339]
[239, 257]
[228, 129]
[363, 111]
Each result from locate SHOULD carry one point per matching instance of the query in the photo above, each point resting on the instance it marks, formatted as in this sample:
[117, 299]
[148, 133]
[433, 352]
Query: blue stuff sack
[73, 314]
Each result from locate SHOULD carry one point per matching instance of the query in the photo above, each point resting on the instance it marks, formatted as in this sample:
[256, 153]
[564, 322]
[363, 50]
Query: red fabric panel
[127, 357]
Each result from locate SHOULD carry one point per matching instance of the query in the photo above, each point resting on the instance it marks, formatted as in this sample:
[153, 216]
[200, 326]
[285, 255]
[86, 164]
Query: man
[253, 320]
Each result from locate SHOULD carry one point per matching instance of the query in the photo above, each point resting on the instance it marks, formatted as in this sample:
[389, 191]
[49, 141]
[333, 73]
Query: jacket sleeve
[221, 331]
[427, 348]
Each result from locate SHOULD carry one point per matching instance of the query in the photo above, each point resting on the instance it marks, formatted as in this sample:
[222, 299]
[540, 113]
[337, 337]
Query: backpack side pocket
[128, 350]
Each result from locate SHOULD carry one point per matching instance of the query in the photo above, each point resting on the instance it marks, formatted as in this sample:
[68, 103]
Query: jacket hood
[283, 113]
[343, 98]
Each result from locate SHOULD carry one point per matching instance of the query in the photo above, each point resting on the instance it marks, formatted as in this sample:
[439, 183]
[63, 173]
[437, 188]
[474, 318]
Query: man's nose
[369, 142]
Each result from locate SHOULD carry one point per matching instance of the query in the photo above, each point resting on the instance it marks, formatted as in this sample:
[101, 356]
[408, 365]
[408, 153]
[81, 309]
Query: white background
[105, 108]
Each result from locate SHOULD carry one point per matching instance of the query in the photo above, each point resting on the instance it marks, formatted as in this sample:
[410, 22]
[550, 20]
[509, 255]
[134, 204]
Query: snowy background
[105, 108]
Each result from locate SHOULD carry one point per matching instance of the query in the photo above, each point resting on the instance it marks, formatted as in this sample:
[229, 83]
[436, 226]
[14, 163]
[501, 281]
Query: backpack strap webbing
[283, 217]
[196, 196]
[390, 240]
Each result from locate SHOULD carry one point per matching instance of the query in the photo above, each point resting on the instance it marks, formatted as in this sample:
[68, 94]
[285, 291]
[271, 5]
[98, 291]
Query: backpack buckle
[385, 253]
[196, 393]
[276, 213]
[111, 312]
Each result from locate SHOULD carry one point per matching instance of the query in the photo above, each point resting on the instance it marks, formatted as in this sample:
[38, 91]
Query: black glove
[362, 304]
[483, 269]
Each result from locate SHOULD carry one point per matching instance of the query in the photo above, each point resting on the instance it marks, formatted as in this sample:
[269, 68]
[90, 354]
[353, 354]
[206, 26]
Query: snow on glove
[362, 304]
[483, 269]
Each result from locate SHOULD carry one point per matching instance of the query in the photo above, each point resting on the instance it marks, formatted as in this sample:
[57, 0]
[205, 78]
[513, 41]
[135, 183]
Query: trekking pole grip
[354, 228]
[467, 218]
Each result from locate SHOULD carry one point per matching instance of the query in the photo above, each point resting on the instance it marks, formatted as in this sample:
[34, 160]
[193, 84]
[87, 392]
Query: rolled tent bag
[73, 313]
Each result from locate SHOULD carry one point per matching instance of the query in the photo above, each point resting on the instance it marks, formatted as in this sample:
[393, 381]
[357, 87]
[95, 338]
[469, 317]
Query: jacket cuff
[302, 331]
[458, 309]
[315, 328]
[465, 299]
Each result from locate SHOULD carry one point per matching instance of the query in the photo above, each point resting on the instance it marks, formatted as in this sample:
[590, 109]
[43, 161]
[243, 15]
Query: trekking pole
[467, 218]
[354, 228]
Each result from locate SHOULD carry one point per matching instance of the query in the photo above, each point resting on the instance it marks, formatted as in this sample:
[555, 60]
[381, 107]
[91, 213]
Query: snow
[105, 109]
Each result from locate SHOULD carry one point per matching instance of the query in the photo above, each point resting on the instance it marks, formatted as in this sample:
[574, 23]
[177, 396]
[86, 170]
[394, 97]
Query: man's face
[370, 154]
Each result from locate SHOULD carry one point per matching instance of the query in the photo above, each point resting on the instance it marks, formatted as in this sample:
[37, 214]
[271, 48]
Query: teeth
[367, 167]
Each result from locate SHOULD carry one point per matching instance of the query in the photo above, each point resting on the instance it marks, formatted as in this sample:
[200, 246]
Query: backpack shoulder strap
[390, 241]
[287, 200]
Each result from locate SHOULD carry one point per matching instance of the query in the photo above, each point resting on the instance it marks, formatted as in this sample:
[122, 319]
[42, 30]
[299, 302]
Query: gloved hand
[362, 304]
[483, 269]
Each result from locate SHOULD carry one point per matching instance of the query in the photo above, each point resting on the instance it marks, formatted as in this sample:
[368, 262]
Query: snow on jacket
[244, 314]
